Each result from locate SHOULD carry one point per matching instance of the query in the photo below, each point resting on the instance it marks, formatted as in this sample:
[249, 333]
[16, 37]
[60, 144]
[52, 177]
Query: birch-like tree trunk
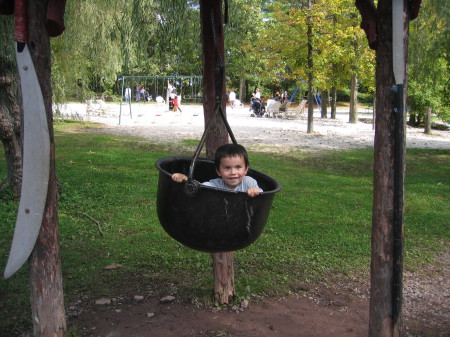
[310, 128]
[353, 118]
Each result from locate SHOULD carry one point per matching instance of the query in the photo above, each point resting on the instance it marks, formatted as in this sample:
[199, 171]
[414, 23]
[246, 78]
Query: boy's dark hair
[228, 151]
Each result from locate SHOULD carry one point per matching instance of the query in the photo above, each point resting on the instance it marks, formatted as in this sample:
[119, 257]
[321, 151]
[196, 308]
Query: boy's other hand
[179, 177]
[253, 192]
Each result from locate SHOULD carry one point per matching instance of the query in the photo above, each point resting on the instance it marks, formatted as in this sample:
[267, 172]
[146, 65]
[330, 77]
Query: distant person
[171, 98]
[232, 99]
[127, 94]
[231, 163]
[256, 96]
[147, 96]
[176, 103]
[138, 93]
[169, 94]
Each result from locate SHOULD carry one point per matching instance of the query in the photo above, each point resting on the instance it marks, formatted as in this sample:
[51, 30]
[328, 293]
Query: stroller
[257, 108]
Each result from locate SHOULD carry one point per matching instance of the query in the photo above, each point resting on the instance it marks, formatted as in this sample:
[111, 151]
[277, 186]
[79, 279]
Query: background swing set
[188, 86]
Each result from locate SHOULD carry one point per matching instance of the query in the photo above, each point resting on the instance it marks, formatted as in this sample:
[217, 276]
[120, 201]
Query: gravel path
[265, 134]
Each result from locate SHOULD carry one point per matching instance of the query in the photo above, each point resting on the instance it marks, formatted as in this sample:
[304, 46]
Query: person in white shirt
[232, 98]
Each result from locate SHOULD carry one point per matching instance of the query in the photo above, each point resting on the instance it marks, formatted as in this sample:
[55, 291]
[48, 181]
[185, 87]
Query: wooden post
[47, 300]
[385, 316]
[388, 203]
[224, 290]
[213, 56]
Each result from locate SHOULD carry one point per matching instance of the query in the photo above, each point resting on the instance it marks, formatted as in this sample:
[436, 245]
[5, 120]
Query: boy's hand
[179, 177]
[253, 191]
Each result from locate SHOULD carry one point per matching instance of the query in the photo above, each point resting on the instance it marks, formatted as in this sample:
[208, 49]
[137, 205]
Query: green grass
[319, 227]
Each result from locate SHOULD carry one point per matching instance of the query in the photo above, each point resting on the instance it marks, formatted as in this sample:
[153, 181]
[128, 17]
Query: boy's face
[232, 170]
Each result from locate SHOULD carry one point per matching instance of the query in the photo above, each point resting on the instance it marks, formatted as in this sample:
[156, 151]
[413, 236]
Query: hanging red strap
[20, 21]
[54, 17]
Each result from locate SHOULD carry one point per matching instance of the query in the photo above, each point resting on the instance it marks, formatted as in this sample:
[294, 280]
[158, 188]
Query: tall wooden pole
[213, 58]
[47, 300]
[389, 168]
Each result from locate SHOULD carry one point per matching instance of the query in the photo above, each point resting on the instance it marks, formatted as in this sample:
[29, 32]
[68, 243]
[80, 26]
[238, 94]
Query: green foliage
[429, 60]
[339, 46]
[129, 38]
[319, 227]
[176, 42]
[344, 96]
[244, 57]
[264, 42]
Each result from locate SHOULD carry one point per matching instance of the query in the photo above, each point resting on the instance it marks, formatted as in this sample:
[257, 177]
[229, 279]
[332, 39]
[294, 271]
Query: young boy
[231, 163]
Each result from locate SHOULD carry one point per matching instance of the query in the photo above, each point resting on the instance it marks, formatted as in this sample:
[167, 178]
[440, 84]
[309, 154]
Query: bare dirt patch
[291, 316]
[336, 308]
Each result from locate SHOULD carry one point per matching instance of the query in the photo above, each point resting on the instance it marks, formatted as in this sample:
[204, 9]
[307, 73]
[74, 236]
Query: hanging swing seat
[212, 220]
[206, 218]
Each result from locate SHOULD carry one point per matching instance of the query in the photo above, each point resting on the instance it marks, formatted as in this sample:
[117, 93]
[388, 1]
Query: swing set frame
[195, 83]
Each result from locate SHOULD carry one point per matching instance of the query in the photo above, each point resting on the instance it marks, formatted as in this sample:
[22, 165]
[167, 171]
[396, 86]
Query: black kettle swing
[206, 218]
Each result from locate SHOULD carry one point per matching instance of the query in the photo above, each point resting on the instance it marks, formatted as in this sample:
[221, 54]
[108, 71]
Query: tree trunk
[242, 90]
[47, 300]
[324, 107]
[427, 121]
[354, 100]
[374, 111]
[333, 102]
[385, 318]
[213, 55]
[9, 110]
[310, 128]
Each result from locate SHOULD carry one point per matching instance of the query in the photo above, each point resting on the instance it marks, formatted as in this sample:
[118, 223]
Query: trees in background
[429, 62]
[244, 53]
[88, 57]
[318, 43]
[264, 41]
[129, 37]
[266, 45]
